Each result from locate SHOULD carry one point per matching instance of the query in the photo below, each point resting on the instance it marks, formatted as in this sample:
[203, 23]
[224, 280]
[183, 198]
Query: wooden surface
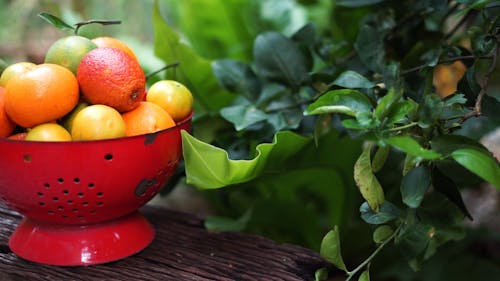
[182, 250]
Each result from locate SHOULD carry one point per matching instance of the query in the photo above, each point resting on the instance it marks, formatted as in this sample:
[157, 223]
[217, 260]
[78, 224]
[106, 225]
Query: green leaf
[209, 167]
[480, 163]
[365, 276]
[330, 249]
[400, 111]
[237, 77]
[208, 95]
[344, 101]
[278, 58]
[414, 185]
[380, 158]
[429, 110]
[243, 116]
[448, 188]
[386, 213]
[357, 3]
[412, 147]
[321, 274]
[55, 21]
[386, 104]
[352, 79]
[382, 233]
[368, 185]
[215, 223]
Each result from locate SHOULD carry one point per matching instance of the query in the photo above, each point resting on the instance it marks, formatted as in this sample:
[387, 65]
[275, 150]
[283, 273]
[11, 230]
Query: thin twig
[103, 22]
[468, 57]
[484, 85]
[151, 74]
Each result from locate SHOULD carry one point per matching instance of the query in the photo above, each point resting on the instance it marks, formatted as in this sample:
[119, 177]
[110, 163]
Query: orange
[43, 94]
[172, 96]
[146, 118]
[447, 76]
[111, 42]
[48, 132]
[97, 122]
[18, 136]
[69, 51]
[7, 126]
[14, 70]
[109, 76]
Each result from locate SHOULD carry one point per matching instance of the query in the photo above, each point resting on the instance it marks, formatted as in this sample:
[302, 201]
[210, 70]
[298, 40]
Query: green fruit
[69, 51]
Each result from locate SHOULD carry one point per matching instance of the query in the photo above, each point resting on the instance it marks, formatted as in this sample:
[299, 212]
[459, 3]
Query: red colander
[80, 199]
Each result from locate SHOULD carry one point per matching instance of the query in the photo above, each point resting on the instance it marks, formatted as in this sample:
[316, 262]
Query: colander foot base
[81, 245]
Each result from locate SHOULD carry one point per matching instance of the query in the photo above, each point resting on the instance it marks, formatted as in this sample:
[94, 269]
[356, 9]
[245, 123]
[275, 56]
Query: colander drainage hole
[70, 202]
[50, 212]
[75, 210]
[40, 194]
[65, 192]
[99, 194]
[55, 199]
[60, 208]
[41, 204]
[108, 156]
[60, 180]
[85, 203]
[80, 216]
[76, 180]
[80, 194]
[46, 185]
[100, 204]
[91, 185]
[27, 158]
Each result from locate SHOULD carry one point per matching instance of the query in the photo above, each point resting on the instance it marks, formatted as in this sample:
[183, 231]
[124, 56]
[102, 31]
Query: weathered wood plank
[182, 250]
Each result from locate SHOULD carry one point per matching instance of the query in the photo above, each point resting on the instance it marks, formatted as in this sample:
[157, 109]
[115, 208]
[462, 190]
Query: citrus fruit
[447, 76]
[45, 93]
[69, 51]
[67, 121]
[146, 118]
[111, 42]
[97, 122]
[14, 70]
[7, 126]
[172, 96]
[48, 132]
[18, 136]
[109, 76]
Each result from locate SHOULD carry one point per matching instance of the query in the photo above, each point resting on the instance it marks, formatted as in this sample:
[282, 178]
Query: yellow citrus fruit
[48, 132]
[97, 122]
[69, 51]
[14, 70]
[172, 96]
[146, 118]
[67, 121]
[42, 94]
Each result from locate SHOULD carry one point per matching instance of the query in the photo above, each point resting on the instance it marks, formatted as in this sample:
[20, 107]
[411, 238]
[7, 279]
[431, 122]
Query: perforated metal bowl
[80, 198]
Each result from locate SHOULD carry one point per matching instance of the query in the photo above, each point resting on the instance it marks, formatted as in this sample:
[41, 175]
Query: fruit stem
[175, 64]
[103, 22]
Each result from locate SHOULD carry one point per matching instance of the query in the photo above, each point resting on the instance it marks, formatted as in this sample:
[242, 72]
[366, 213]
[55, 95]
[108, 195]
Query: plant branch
[103, 22]
[353, 272]
[468, 57]
[409, 125]
[151, 74]
[484, 85]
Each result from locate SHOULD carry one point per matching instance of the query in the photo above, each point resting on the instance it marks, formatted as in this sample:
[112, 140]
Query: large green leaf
[209, 167]
[412, 147]
[237, 77]
[480, 163]
[243, 116]
[344, 101]
[193, 71]
[278, 58]
[357, 3]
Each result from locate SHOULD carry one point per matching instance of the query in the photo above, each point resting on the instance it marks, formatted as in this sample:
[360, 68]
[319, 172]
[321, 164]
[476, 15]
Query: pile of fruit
[87, 89]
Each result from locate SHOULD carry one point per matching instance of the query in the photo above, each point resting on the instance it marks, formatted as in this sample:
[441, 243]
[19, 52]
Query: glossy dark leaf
[55, 21]
[446, 144]
[344, 101]
[480, 163]
[489, 108]
[357, 3]
[216, 223]
[429, 110]
[382, 233]
[448, 188]
[484, 45]
[380, 157]
[242, 116]
[370, 47]
[278, 58]
[386, 213]
[386, 104]
[237, 77]
[412, 147]
[352, 79]
[414, 185]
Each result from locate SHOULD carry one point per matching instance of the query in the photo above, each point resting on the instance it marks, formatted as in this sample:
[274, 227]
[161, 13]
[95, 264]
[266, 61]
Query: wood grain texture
[182, 250]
